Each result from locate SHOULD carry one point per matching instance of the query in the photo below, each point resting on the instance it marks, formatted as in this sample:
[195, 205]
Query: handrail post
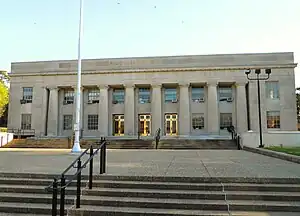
[62, 195]
[91, 168]
[54, 198]
[104, 156]
[78, 184]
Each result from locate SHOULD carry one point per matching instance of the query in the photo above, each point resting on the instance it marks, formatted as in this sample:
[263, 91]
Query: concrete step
[191, 204]
[27, 208]
[28, 181]
[181, 194]
[197, 186]
[86, 210]
[33, 198]
[220, 180]
[35, 176]
[124, 211]
[31, 189]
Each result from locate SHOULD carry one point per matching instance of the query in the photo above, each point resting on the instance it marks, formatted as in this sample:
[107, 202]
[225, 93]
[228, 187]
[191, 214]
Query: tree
[298, 101]
[4, 93]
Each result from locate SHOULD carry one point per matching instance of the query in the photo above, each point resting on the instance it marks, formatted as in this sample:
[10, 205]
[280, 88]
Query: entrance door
[144, 124]
[118, 125]
[171, 124]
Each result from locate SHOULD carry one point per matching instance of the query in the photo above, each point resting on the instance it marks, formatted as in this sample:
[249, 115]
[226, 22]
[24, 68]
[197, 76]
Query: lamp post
[258, 78]
[76, 146]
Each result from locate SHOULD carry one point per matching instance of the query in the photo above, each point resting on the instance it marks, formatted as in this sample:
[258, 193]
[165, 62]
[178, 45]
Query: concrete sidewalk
[189, 163]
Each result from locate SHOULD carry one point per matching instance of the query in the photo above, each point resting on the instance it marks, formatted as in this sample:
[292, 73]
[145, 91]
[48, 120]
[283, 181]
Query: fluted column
[44, 110]
[53, 112]
[184, 110]
[103, 110]
[129, 117]
[212, 109]
[241, 107]
[156, 109]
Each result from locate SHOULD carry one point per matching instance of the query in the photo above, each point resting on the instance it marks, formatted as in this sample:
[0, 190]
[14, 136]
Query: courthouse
[185, 96]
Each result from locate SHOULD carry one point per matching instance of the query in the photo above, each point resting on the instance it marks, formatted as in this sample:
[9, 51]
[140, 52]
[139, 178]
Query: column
[129, 117]
[212, 109]
[82, 110]
[53, 112]
[156, 110]
[103, 110]
[241, 108]
[44, 110]
[184, 110]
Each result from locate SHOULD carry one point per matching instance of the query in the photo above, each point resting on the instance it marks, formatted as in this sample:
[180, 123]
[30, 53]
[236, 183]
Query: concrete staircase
[196, 144]
[24, 194]
[166, 196]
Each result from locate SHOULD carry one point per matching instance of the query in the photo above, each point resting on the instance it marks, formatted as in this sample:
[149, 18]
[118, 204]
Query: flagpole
[76, 147]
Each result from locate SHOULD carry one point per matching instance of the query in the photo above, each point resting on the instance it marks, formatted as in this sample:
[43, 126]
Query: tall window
[144, 95]
[197, 121]
[26, 121]
[272, 89]
[273, 119]
[68, 122]
[68, 97]
[225, 120]
[93, 95]
[27, 94]
[170, 95]
[92, 122]
[197, 94]
[118, 96]
[225, 93]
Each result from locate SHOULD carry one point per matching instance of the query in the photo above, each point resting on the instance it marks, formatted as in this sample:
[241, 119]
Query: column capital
[182, 84]
[240, 83]
[212, 83]
[156, 85]
[103, 86]
[51, 88]
[129, 85]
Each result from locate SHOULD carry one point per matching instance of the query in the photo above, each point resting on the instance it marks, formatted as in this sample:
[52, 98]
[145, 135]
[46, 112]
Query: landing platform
[186, 163]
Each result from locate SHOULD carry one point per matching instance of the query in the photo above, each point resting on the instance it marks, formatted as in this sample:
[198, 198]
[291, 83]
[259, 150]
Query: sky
[33, 30]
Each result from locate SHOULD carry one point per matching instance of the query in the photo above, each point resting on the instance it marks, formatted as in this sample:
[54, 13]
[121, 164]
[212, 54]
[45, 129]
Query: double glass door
[171, 124]
[144, 124]
[118, 125]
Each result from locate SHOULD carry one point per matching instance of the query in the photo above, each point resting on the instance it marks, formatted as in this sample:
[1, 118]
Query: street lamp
[76, 146]
[258, 78]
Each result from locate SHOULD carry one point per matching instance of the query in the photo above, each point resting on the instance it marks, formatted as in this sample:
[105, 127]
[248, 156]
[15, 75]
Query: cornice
[151, 70]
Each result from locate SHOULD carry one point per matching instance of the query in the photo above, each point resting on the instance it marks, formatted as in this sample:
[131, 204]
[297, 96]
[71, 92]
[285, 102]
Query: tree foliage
[4, 92]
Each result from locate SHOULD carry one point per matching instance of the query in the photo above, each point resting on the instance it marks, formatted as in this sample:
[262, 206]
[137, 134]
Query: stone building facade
[182, 95]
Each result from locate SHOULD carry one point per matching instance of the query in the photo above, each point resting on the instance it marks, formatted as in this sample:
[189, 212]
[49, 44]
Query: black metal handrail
[234, 136]
[63, 183]
[157, 137]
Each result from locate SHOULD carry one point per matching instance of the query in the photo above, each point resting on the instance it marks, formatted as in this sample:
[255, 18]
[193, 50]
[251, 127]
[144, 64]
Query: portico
[183, 95]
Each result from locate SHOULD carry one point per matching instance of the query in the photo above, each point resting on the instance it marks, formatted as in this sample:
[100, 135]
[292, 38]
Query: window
[93, 95]
[197, 121]
[26, 122]
[273, 119]
[118, 96]
[170, 95]
[92, 122]
[68, 122]
[197, 94]
[225, 120]
[272, 89]
[68, 97]
[144, 95]
[27, 94]
[225, 93]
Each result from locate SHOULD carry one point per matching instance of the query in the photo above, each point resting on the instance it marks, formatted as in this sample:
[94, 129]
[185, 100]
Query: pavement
[187, 163]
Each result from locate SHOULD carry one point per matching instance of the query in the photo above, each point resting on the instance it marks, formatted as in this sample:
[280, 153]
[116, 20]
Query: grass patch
[288, 150]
